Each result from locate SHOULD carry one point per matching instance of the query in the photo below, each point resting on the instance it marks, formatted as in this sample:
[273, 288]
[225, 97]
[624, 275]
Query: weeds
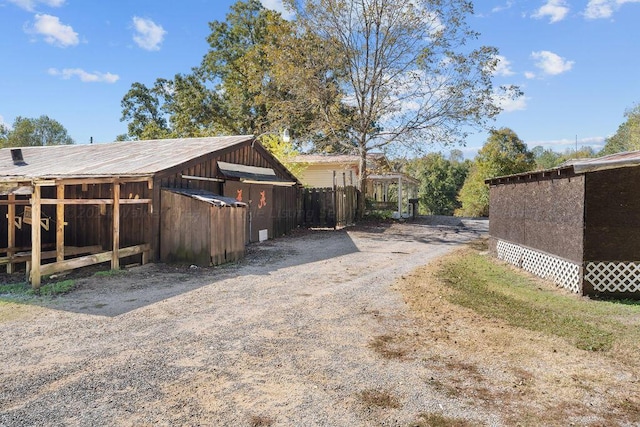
[495, 291]
[377, 398]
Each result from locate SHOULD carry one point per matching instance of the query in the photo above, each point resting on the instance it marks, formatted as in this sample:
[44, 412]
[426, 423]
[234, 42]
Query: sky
[577, 62]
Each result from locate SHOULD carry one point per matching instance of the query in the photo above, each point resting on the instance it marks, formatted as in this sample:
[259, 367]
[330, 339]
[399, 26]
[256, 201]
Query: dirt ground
[323, 328]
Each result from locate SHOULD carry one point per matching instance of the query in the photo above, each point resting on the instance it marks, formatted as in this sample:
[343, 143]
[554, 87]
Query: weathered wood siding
[197, 232]
[329, 207]
[545, 214]
[612, 215]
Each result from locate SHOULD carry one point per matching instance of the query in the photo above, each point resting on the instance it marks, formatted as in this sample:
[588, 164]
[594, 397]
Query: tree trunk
[362, 181]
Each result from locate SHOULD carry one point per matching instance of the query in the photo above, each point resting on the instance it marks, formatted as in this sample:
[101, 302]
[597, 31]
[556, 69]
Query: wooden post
[399, 197]
[35, 237]
[11, 231]
[60, 224]
[115, 255]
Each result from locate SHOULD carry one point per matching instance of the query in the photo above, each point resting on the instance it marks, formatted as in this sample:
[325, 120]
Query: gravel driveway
[283, 338]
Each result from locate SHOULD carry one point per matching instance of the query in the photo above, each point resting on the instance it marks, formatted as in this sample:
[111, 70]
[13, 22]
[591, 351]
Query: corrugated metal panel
[117, 158]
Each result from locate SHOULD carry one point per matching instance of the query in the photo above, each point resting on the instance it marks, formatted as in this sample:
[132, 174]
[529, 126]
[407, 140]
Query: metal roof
[574, 167]
[207, 197]
[116, 158]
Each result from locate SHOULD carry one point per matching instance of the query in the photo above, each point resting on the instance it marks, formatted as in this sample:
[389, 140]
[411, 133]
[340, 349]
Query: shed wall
[546, 215]
[612, 215]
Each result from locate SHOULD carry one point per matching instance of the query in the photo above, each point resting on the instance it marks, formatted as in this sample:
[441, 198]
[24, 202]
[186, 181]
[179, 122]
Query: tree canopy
[33, 132]
[504, 153]
[440, 181]
[627, 137]
[408, 76]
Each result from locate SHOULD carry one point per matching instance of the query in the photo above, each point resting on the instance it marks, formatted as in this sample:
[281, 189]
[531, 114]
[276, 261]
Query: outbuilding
[96, 203]
[577, 225]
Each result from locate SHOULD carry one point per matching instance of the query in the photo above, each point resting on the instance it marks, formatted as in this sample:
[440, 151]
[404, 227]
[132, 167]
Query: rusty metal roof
[130, 158]
[574, 167]
[612, 161]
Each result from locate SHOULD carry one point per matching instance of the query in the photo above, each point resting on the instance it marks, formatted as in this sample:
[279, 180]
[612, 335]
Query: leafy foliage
[627, 137]
[406, 72]
[549, 159]
[440, 182]
[29, 132]
[503, 154]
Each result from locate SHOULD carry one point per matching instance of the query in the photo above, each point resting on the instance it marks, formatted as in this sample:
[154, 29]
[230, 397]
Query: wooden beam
[60, 224]
[68, 251]
[102, 180]
[59, 201]
[87, 260]
[36, 235]
[115, 259]
[11, 230]
[14, 202]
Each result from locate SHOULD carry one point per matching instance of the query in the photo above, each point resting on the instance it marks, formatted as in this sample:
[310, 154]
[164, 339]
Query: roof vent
[16, 156]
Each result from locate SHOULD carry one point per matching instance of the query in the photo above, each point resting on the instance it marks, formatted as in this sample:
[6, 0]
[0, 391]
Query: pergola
[378, 187]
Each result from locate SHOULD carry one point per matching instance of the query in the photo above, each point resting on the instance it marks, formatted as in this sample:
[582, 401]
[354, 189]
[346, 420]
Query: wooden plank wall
[227, 234]
[328, 207]
[196, 232]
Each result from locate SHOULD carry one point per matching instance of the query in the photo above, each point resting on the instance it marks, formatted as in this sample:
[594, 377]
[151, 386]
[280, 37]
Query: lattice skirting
[613, 276]
[562, 272]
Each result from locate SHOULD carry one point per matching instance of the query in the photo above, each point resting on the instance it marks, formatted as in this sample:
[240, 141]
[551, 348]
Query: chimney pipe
[16, 156]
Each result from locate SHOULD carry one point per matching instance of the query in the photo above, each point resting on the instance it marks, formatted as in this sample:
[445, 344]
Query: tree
[258, 76]
[408, 76]
[41, 131]
[627, 137]
[142, 107]
[503, 154]
[440, 181]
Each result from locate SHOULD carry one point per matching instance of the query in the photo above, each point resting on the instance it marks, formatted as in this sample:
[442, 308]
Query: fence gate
[329, 207]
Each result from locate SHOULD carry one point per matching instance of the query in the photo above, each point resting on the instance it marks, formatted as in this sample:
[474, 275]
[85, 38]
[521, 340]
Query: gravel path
[283, 338]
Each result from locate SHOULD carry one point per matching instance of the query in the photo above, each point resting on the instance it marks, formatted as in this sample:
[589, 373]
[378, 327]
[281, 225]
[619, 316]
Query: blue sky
[576, 61]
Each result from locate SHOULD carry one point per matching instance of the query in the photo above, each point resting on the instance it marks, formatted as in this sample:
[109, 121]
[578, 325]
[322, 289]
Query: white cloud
[567, 143]
[278, 7]
[506, 6]
[30, 5]
[503, 68]
[551, 63]
[530, 75]
[599, 9]
[556, 10]
[149, 35]
[84, 76]
[508, 104]
[54, 31]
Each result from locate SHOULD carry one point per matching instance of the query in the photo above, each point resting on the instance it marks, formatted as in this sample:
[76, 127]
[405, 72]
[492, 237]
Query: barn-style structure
[64, 207]
[577, 225]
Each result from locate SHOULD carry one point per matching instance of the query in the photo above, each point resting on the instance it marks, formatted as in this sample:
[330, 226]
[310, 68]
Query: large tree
[259, 76]
[504, 153]
[627, 137]
[410, 77]
[440, 181]
[33, 132]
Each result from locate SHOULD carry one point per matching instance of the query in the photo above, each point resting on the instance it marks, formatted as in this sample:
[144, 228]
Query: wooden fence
[329, 207]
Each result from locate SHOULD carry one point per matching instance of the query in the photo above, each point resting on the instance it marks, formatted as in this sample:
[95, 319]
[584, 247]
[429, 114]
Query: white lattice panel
[613, 276]
[559, 271]
[510, 253]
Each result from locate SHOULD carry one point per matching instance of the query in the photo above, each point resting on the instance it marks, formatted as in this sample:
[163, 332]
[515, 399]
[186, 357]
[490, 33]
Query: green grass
[23, 291]
[496, 291]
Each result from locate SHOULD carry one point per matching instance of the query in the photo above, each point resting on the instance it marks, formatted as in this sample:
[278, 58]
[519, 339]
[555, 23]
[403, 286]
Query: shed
[577, 225]
[102, 202]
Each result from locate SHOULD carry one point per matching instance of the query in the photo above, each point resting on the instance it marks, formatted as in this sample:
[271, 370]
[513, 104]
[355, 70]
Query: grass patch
[438, 420]
[380, 399]
[387, 347]
[260, 421]
[20, 291]
[497, 291]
